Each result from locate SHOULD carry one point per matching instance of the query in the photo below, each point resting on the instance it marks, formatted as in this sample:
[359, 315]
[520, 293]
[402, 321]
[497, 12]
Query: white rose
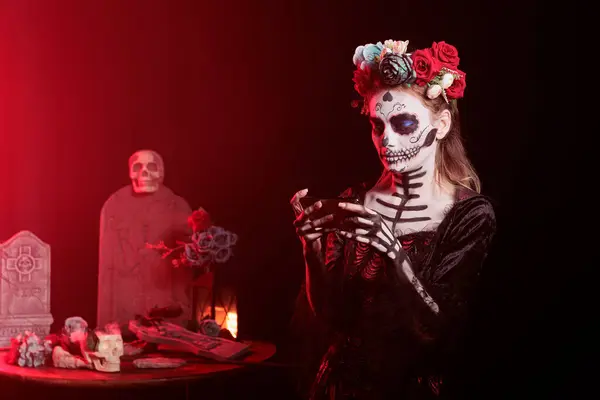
[434, 91]
[447, 80]
[358, 58]
[400, 47]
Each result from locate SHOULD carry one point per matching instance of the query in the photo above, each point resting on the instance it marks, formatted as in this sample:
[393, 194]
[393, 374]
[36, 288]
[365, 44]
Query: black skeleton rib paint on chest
[410, 180]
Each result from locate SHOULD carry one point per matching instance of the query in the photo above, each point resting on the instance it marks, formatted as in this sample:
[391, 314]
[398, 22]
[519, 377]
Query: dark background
[248, 102]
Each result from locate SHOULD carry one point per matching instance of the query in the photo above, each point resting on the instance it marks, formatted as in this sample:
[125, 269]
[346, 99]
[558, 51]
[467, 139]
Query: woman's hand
[309, 230]
[366, 226]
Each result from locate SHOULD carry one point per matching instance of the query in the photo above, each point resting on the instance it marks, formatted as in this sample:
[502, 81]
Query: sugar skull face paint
[403, 131]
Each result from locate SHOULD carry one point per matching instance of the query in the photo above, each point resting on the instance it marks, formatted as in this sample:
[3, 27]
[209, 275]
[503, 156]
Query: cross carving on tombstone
[25, 264]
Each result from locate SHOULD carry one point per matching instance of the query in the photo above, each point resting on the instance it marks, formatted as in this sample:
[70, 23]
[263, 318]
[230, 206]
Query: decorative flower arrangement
[28, 350]
[209, 327]
[209, 244]
[389, 63]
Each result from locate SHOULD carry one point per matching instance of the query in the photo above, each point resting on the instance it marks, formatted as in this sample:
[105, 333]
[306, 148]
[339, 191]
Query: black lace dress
[379, 337]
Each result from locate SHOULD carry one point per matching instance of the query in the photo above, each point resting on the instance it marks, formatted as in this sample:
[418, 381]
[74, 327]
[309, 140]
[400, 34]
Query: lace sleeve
[450, 274]
[451, 271]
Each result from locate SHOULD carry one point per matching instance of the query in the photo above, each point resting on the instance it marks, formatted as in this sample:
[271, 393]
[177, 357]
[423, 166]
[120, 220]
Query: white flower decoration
[447, 80]
[434, 91]
[396, 46]
[358, 58]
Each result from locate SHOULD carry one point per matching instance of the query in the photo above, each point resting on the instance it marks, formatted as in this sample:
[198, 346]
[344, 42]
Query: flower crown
[435, 67]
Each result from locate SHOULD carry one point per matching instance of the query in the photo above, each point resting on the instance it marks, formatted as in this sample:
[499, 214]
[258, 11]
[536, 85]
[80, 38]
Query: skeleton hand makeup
[403, 129]
[368, 227]
[295, 201]
[307, 229]
[310, 230]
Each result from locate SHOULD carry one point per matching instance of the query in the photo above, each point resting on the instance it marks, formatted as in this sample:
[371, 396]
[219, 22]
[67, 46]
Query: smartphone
[330, 206]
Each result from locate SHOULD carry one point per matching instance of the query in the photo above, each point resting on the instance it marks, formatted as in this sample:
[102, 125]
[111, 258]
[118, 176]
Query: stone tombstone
[131, 277]
[24, 287]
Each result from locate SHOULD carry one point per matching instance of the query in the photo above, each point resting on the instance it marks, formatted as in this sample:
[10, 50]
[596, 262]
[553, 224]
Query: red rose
[199, 220]
[457, 90]
[446, 53]
[365, 81]
[361, 82]
[426, 66]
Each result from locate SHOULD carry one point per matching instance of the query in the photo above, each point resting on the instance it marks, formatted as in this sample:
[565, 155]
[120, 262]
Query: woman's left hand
[366, 226]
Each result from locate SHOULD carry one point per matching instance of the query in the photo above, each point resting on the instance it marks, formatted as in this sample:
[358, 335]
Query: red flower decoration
[446, 54]
[364, 81]
[457, 90]
[426, 66]
[199, 220]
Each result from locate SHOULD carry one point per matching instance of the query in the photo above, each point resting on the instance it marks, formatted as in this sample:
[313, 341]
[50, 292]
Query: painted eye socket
[404, 124]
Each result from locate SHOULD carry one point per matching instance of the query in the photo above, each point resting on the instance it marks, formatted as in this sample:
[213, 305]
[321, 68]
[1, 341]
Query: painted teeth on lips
[394, 156]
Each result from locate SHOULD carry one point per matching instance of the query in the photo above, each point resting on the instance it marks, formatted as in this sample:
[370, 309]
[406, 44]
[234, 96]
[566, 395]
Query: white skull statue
[107, 357]
[146, 170]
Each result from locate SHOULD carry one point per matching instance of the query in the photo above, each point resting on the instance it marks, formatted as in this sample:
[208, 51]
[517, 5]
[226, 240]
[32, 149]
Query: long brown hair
[451, 161]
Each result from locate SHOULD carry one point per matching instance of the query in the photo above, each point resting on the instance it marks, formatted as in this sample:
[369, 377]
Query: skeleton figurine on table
[78, 348]
[71, 353]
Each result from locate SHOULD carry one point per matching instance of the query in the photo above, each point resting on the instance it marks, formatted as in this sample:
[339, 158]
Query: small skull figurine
[76, 329]
[146, 170]
[107, 357]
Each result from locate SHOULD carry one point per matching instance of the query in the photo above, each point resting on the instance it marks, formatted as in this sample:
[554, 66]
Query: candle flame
[227, 320]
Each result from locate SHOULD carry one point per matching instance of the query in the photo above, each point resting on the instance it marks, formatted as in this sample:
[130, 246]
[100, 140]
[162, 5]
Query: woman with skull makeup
[390, 280]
